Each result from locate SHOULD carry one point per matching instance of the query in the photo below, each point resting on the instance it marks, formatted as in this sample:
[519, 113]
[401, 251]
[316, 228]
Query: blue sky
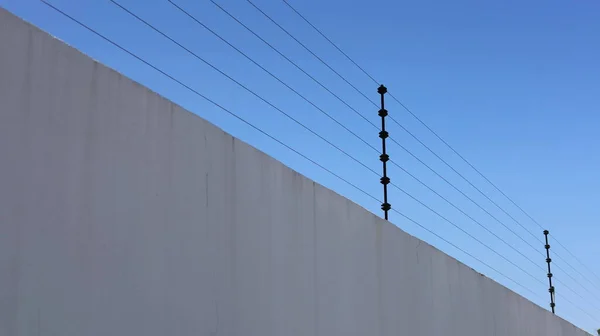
[512, 85]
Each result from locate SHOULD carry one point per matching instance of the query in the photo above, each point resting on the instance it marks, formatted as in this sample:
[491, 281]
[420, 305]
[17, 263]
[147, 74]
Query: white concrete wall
[122, 214]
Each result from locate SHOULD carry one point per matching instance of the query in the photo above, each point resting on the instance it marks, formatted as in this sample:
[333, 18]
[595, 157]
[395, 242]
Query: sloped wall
[122, 214]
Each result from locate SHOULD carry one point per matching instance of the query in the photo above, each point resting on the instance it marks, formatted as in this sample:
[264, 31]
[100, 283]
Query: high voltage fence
[574, 279]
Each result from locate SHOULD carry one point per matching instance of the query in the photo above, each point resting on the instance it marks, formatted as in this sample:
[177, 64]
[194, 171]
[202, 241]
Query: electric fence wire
[337, 147]
[391, 117]
[391, 138]
[420, 141]
[455, 152]
[344, 152]
[537, 250]
[236, 116]
[273, 138]
[359, 137]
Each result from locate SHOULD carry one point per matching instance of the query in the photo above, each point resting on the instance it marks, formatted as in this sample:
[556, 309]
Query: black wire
[471, 218]
[496, 204]
[467, 180]
[393, 140]
[483, 244]
[575, 257]
[339, 123]
[467, 233]
[333, 44]
[271, 137]
[203, 96]
[558, 281]
[312, 53]
[316, 134]
[463, 251]
[499, 238]
[286, 58]
[576, 306]
[491, 215]
[467, 196]
[243, 86]
[408, 151]
[267, 71]
[451, 148]
[391, 117]
[568, 274]
[427, 147]
[268, 135]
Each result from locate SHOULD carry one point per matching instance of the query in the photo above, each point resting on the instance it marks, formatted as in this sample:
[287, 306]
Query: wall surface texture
[123, 214]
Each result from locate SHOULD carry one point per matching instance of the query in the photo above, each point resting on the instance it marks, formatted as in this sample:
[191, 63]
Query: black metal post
[548, 260]
[385, 180]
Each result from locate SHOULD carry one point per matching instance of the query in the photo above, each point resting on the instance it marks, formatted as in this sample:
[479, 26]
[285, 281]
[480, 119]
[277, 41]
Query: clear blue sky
[512, 85]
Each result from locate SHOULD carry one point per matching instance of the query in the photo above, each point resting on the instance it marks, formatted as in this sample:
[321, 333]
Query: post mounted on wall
[548, 261]
[384, 157]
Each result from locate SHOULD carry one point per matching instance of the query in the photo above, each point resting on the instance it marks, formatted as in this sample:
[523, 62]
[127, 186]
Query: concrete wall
[122, 214]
